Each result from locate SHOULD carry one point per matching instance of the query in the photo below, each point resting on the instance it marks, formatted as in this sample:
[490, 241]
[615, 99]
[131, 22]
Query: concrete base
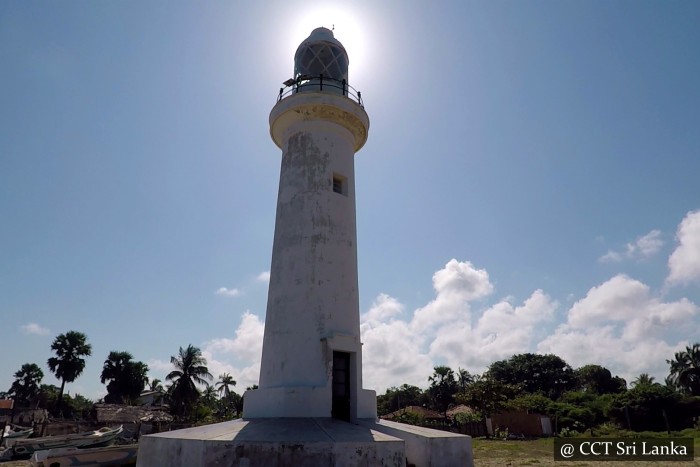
[427, 447]
[308, 442]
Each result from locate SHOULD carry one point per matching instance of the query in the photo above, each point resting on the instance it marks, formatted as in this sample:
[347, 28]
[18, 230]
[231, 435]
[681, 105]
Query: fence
[307, 83]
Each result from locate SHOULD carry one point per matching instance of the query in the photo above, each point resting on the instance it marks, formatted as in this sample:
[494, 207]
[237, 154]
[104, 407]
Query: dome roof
[321, 54]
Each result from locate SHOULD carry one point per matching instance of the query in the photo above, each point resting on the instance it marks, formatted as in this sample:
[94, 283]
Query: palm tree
[126, 377]
[155, 385]
[27, 382]
[228, 399]
[643, 379]
[443, 387]
[464, 379]
[209, 396]
[190, 370]
[68, 363]
[685, 370]
[223, 384]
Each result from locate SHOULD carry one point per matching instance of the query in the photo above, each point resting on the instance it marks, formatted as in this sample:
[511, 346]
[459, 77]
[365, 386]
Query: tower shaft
[312, 354]
[313, 280]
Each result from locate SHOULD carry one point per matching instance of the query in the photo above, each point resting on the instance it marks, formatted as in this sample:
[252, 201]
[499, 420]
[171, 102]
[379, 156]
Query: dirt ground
[540, 462]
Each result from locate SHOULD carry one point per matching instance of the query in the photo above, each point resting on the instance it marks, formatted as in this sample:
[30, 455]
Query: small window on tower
[340, 184]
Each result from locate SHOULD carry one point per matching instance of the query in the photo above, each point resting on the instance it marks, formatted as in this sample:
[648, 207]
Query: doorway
[341, 386]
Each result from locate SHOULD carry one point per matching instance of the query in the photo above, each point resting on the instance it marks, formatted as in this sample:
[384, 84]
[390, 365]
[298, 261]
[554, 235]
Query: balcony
[307, 83]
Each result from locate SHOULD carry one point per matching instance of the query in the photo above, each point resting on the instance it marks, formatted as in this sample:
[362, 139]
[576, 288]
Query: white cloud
[392, 355]
[34, 328]
[611, 257]
[247, 343]
[455, 285]
[383, 308]
[615, 300]
[161, 366]
[236, 291]
[622, 326]
[228, 292]
[240, 356]
[392, 352]
[446, 330]
[684, 262]
[500, 332]
[462, 280]
[644, 247]
[619, 324]
[263, 276]
[159, 369]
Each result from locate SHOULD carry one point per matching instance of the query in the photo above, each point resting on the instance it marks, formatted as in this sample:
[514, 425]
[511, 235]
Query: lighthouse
[310, 408]
[312, 354]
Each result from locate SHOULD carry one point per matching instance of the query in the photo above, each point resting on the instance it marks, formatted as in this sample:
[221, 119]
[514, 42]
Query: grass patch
[540, 452]
[490, 448]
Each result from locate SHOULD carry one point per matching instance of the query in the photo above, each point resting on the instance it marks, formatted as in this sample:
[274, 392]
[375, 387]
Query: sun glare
[346, 28]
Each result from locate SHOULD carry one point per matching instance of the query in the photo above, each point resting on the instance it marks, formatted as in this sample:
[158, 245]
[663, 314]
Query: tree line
[575, 399]
[125, 380]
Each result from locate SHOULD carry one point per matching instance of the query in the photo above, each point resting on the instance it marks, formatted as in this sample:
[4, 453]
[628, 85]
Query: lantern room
[321, 54]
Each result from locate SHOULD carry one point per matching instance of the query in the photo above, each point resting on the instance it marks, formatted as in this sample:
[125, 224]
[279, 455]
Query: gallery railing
[307, 83]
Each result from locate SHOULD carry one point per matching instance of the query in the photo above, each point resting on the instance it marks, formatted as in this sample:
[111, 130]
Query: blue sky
[530, 182]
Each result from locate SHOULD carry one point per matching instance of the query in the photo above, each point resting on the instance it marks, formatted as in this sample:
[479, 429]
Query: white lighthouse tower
[310, 408]
[312, 355]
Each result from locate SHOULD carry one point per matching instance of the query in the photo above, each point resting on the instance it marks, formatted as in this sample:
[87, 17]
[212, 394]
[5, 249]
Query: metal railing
[307, 83]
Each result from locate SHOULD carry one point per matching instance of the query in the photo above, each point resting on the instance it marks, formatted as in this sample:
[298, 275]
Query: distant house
[25, 416]
[136, 420]
[150, 398]
[415, 410]
[6, 412]
[111, 414]
[461, 408]
[421, 416]
[6, 406]
[520, 423]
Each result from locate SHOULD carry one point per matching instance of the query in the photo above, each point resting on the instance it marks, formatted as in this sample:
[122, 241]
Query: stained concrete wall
[313, 302]
[313, 277]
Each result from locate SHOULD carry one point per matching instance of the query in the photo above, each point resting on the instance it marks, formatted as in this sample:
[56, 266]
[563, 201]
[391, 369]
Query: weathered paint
[313, 304]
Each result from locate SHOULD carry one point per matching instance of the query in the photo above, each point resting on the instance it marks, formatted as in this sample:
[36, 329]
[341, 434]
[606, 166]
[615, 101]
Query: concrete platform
[311, 442]
[426, 447]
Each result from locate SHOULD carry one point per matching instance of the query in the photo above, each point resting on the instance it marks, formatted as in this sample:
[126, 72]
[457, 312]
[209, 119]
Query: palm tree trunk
[60, 398]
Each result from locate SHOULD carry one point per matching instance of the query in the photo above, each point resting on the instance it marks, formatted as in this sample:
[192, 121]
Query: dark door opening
[341, 386]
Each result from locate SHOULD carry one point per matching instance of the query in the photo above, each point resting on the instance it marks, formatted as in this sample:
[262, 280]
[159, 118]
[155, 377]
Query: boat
[13, 432]
[87, 439]
[5, 454]
[112, 456]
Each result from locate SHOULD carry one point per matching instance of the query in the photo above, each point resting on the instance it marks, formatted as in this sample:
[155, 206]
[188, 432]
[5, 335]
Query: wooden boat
[87, 439]
[13, 432]
[5, 454]
[113, 456]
